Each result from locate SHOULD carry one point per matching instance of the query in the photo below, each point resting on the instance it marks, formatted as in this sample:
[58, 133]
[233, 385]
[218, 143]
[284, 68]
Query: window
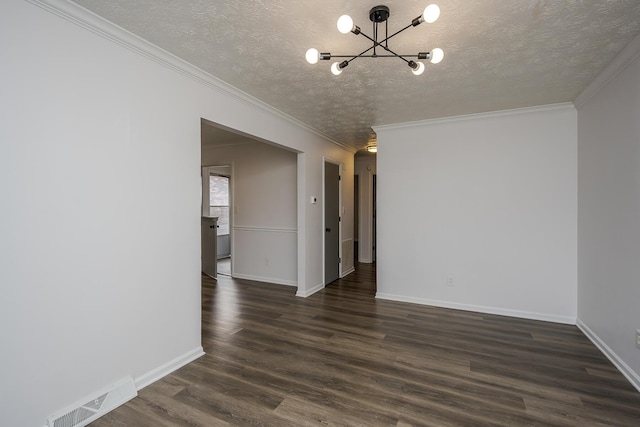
[219, 202]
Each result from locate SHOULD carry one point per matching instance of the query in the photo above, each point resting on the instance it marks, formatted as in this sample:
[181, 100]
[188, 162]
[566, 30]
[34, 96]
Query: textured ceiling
[499, 54]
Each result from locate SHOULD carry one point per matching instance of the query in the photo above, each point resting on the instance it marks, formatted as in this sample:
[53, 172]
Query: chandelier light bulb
[437, 55]
[335, 69]
[431, 13]
[345, 24]
[312, 56]
[419, 69]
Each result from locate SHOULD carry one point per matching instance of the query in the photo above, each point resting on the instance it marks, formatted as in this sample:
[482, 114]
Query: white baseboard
[481, 309]
[348, 272]
[164, 370]
[95, 405]
[273, 280]
[137, 384]
[626, 370]
[311, 291]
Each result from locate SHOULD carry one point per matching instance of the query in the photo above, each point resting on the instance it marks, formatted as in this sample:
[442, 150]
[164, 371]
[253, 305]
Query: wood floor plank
[343, 358]
[303, 413]
[129, 415]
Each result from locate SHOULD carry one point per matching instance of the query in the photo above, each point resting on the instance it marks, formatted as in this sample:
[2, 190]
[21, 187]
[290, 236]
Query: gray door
[331, 222]
[208, 240]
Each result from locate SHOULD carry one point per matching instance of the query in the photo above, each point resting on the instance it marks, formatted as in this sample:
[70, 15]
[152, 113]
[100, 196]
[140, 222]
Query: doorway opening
[262, 204]
[219, 203]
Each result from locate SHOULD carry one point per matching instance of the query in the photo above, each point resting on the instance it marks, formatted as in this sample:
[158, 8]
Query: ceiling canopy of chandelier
[380, 14]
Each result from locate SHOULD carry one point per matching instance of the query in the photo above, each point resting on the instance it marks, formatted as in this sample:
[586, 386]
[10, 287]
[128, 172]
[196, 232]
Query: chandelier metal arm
[396, 33]
[375, 56]
[360, 55]
[377, 43]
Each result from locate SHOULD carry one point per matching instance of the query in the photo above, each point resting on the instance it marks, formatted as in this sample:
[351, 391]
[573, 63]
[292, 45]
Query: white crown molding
[625, 58]
[90, 21]
[477, 116]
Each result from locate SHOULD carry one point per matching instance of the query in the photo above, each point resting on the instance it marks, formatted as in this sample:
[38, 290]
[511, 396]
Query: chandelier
[378, 15]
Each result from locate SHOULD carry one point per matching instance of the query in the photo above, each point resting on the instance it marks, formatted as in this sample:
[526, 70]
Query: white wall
[609, 213]
[101, 285]
[264, 210]
[488, 200]
[365, 168]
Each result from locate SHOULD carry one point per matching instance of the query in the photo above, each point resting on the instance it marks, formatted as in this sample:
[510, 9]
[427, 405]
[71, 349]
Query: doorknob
[328, 230]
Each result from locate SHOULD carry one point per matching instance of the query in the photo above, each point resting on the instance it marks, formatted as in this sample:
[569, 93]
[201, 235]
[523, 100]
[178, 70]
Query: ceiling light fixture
[380, 14]
[372, 148]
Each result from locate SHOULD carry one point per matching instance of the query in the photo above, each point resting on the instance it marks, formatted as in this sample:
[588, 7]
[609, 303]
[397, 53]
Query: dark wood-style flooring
[343, 358]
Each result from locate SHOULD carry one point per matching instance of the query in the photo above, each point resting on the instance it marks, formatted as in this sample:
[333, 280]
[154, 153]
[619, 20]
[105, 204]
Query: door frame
[340, 214]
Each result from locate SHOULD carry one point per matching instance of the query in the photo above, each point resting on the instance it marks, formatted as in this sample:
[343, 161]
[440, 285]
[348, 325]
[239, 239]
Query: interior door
[331, 222]
[374, 219]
